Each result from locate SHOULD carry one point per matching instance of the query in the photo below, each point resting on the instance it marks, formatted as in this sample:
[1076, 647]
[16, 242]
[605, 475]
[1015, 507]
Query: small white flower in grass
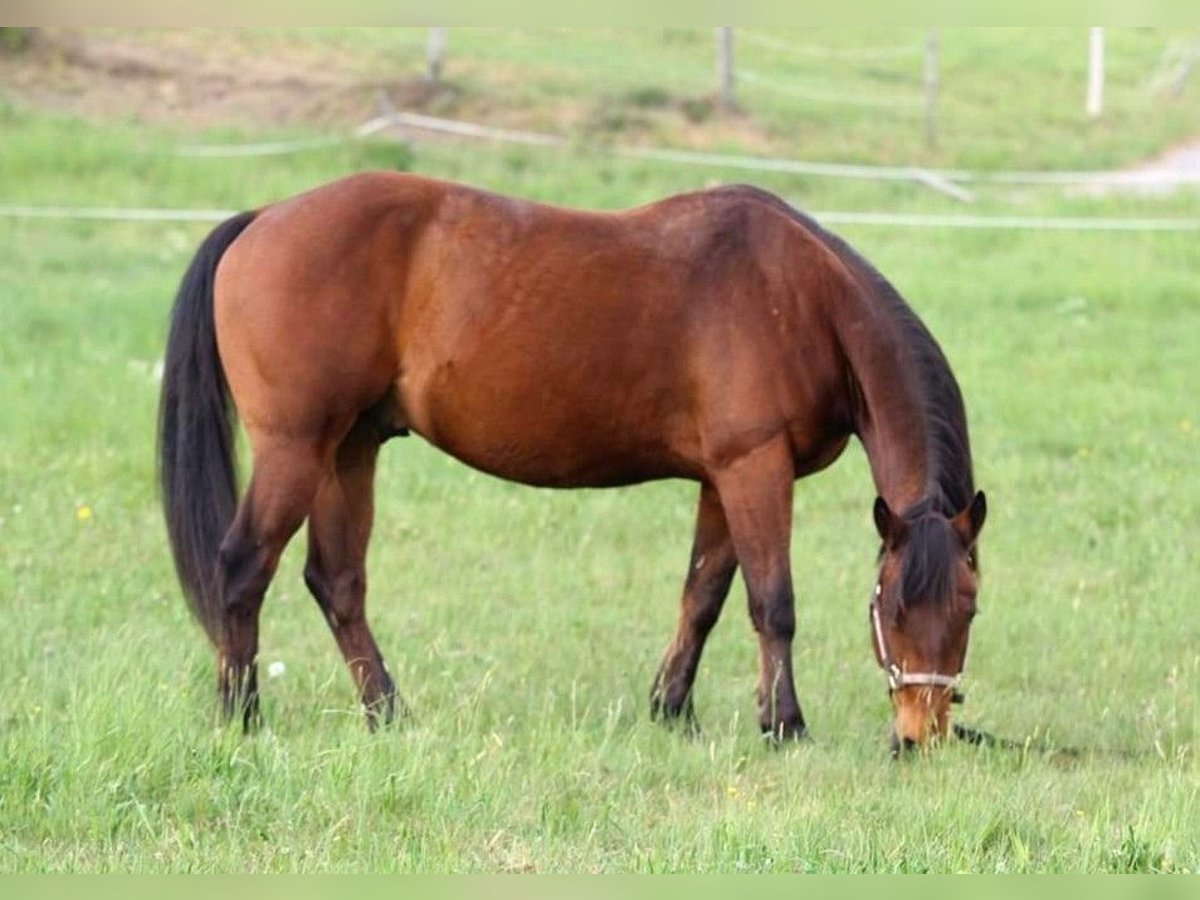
[276, 669]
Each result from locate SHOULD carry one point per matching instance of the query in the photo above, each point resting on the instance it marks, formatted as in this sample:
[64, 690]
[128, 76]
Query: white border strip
[273, 148]
[832, 217]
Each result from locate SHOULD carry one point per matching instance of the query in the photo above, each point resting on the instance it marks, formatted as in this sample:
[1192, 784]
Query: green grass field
[524, 626]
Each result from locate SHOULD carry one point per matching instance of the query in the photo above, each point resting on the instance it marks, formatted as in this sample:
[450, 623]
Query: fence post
[433, 54]
[931, 87]
[1095, 91]
[725, 67]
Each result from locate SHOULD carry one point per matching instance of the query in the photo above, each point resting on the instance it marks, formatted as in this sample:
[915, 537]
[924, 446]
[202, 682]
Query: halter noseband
[896, 676]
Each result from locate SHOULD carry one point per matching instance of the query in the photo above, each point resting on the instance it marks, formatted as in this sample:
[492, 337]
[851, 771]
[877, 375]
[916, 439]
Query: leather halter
[897, 678]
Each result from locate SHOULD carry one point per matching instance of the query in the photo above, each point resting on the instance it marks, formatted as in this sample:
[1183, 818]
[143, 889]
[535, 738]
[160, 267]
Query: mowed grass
[524, 626]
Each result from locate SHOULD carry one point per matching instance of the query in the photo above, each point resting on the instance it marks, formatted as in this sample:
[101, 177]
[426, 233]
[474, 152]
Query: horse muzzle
[921, 716]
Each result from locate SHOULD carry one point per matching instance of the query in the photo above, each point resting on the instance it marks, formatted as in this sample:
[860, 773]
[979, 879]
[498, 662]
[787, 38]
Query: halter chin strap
[896, 677]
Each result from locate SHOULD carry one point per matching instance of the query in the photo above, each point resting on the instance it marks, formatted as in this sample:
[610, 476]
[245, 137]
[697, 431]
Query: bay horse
[719, 336]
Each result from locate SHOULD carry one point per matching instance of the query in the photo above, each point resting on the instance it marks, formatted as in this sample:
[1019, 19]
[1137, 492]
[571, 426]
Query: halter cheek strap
[896, 676]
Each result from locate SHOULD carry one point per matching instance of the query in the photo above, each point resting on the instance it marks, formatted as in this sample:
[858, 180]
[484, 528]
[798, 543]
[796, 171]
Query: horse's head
[921, 612]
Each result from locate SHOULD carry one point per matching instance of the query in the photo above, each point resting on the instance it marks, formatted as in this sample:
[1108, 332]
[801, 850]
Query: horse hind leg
[339, 530]
[710, 573]
[281, 490]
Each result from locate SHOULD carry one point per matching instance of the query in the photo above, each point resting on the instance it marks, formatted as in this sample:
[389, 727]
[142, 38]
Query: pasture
[523, 627]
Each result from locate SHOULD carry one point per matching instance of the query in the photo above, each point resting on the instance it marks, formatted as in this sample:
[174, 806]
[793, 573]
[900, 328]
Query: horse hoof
[783, 733]
[681, 716]
[386, 711]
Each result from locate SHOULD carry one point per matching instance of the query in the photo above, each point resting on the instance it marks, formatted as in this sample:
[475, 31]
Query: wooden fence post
[728, 99]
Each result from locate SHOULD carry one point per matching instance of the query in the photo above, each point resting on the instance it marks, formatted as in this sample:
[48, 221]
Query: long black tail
[197, 466]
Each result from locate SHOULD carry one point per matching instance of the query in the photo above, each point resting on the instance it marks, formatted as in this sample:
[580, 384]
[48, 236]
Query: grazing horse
[718, 336]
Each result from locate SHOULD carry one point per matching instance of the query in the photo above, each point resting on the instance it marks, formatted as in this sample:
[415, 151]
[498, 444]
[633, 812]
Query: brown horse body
[717, 336]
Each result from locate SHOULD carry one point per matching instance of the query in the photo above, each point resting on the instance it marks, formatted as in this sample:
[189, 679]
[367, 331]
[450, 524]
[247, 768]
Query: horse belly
[540, 428]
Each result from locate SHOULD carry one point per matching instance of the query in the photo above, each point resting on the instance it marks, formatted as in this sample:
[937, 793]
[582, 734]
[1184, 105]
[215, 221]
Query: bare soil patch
[181, 79]
[200, 79]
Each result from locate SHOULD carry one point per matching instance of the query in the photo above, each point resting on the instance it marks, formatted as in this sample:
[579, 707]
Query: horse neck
[906, 406]
[908, 411]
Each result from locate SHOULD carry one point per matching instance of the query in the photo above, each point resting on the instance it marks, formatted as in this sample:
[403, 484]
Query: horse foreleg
[756, 494]
[710, 573]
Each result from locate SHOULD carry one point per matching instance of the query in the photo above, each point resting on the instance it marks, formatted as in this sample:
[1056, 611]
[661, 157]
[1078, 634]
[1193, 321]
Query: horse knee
[775, 618]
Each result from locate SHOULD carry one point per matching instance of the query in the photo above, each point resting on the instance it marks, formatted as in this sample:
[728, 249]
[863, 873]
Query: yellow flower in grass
[83, 513]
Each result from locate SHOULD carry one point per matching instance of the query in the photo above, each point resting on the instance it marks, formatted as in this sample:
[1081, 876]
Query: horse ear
[891, 527]
[969, 522]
